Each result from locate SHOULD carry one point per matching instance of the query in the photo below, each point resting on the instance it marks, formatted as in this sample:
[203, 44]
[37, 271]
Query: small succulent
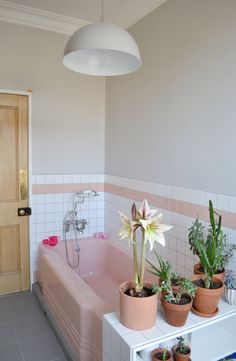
[185, 286]
[183, 349]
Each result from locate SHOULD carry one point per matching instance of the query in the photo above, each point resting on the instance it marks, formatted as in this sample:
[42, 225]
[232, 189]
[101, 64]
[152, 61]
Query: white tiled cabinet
[211, 338]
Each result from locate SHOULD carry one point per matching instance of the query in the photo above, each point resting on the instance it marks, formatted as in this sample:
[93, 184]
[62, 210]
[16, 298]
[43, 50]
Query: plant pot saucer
[205, 314]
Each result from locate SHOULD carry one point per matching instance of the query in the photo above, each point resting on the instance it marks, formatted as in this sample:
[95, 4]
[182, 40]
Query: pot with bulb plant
[209, 249]
[138, 300]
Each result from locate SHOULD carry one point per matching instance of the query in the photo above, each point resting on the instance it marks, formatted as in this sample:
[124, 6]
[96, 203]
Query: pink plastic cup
[53, 240]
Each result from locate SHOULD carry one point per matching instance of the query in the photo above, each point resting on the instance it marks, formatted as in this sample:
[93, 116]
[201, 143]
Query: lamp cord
[102, 7]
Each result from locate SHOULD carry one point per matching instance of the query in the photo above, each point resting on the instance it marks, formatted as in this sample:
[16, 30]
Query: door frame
[29, 96]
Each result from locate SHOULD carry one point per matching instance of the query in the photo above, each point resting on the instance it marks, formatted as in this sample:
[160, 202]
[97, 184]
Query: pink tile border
[174, 205]
[66, 188]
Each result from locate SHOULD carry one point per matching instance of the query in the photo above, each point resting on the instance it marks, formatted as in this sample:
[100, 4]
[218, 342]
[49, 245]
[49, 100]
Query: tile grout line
[17, 338]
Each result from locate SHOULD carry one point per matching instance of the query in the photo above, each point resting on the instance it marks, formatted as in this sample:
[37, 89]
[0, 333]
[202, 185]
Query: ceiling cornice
[28, 16]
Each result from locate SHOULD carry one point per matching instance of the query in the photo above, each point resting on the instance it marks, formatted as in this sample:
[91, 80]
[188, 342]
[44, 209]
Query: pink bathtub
[79, 297]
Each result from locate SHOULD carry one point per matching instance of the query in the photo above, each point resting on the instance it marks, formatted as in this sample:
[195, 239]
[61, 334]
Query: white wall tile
[76, 179]
[49, 179]
[223, 202]
[84, 178]
[40, 179]
[50, 198]
[59, 197]
[39, 198]
[58, 179]
[68, 178]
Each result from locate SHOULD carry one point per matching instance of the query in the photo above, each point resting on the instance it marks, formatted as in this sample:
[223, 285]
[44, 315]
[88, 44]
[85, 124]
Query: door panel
[8, 149]
[14, 247]
[10, 249]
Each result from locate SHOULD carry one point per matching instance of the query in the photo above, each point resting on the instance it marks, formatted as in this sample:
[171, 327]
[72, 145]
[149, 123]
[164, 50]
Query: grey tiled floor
[25, 334]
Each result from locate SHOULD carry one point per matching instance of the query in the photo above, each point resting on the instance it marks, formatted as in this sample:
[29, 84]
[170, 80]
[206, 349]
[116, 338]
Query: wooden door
[14, 245]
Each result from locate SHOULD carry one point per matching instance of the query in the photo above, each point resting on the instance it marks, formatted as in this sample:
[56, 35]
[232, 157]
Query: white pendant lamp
[102, 49]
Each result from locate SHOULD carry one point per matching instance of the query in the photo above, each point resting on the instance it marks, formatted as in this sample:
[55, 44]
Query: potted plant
[230, 287]
[138, 302]
[161, 354]
[209, 250]
[181, 351]
[177, 302]
[163, 271]
[225, 250]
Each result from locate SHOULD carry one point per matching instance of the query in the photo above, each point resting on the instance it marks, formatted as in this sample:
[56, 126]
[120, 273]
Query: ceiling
[120, 12]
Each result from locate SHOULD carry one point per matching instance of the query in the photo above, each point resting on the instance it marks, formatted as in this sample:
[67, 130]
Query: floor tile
[6, 300]
[43, 348]
[10, 353]
[33, 327]
[7, 334]
[26, 296]
[4, 314]
[24, 310]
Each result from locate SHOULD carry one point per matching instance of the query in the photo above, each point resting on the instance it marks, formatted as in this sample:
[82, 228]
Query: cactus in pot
[210, 250]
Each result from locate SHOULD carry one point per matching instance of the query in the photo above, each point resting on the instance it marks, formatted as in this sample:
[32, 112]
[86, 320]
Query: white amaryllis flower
[127, 228]
[154, 229]
[145, 212]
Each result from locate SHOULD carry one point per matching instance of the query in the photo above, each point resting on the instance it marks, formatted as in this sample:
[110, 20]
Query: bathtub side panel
[76, 312]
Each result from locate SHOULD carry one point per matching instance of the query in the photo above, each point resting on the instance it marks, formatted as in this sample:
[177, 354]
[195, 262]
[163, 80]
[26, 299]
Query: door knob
[26, 211]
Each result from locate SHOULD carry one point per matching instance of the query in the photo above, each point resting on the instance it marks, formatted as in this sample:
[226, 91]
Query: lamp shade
[102, 49]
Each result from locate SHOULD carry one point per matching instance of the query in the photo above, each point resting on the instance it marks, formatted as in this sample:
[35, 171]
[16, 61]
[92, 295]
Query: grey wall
[174, 121]
[68, 126]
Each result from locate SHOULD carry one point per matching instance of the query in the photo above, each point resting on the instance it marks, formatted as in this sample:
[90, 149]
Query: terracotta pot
[196, 271]
[206, 300]
[179, 356]
[137, 313]
[176, 315]
[158, 350]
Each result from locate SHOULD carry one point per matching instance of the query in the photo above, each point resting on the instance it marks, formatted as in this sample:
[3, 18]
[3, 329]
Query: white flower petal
[123, 216]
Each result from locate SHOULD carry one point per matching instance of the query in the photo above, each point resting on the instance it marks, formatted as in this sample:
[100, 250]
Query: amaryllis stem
[135, 256]
[142, 265]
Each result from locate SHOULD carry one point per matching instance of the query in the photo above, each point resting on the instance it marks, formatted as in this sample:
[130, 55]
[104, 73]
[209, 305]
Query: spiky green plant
[210, 249]
[164, 354]
[163, 270]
